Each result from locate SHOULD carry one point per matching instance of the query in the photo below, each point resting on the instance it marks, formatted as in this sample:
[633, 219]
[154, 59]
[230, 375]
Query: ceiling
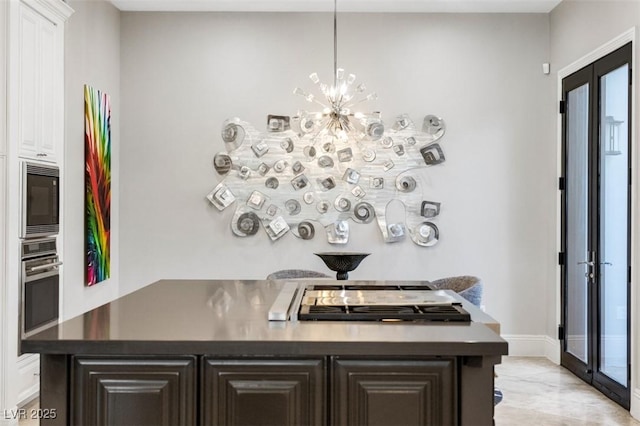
[402, 6]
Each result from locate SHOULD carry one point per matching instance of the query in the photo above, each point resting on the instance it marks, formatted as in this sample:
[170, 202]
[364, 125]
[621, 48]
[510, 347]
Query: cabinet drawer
[133, 391]
[263, 392]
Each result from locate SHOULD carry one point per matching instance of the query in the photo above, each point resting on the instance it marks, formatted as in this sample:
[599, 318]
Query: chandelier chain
[335, 43]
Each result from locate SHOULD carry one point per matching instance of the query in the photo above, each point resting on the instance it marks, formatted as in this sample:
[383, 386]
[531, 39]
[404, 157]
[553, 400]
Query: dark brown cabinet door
[394, 392]
[133, 391]
[263, 392]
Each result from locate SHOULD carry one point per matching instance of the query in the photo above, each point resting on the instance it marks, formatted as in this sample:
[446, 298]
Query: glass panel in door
[577, 220]
[614, 224]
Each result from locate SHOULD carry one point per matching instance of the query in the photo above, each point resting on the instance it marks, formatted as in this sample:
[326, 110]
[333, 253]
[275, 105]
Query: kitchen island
[203, 352]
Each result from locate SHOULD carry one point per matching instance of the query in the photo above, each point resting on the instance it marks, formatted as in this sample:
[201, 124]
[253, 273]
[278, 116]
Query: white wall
[182, 74]
[3, 231]
[92, 56]
[3, 76]
[576, 29]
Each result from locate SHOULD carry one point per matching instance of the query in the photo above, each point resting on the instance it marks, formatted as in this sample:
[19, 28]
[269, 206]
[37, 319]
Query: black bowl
[342, 262]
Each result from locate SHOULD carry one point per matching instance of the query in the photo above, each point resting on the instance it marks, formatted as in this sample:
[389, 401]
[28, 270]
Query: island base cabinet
[263, 392]
[133, 391]
[266, 390]
[394, 392]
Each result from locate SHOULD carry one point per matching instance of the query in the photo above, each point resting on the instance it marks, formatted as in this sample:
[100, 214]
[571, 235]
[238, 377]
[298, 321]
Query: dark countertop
[227, 317]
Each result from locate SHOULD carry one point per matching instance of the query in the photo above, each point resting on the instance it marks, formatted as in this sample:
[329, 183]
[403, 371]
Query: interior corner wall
[183, 74]
[92, 56]
[3, 179]
[578, 28]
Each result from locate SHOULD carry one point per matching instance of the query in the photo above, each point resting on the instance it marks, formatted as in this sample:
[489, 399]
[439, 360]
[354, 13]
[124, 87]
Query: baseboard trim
[525, 344]
[635, 404]
[533, 345]
[552, 349]
[29, 394]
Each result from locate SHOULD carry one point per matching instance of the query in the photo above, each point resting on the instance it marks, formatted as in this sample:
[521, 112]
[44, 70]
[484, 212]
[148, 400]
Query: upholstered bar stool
[467, 286]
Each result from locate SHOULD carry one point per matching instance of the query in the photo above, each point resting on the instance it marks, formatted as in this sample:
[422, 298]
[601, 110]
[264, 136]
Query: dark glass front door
[596, 224]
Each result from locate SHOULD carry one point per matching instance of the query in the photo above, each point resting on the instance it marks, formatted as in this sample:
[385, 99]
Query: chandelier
[329, 167]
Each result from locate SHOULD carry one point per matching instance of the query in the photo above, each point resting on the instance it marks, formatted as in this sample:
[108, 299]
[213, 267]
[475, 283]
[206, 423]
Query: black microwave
[40, 200]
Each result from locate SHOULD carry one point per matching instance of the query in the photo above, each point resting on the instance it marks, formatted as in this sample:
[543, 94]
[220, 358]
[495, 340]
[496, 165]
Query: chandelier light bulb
[324, 89]
[314, 78]
[332, 93]
[308, 96]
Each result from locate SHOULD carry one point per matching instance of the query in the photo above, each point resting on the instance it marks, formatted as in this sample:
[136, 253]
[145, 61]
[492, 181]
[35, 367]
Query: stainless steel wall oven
[40, 285]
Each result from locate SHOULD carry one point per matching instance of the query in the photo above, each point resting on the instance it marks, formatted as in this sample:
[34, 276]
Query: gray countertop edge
[259, 348]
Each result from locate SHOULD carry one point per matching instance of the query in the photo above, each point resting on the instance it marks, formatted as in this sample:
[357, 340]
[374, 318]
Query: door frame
[589, 369]
[574, 81]
[634, 161]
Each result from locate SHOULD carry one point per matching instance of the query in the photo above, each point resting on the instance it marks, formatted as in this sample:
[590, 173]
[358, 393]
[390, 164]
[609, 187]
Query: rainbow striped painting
[97, 154]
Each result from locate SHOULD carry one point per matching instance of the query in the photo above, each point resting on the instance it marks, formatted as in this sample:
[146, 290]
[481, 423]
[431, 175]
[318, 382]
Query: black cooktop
[378, 303]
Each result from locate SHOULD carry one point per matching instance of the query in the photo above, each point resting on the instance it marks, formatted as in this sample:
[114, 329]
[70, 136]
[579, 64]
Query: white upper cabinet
[28, 75]
[48, 85]
[40, 83]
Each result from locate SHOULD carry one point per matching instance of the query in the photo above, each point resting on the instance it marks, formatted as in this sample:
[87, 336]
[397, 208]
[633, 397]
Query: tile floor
[537, 392]
[34, 405]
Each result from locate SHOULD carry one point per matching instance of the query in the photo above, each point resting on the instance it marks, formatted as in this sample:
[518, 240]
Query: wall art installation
[97, 139]
[319, 172]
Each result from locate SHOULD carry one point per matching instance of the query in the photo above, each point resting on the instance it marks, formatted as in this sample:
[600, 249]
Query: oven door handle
[47, 266]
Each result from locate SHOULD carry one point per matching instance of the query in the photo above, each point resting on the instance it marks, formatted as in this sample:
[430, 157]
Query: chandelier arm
[352, 104]
[323, 125]
[345, 124]
[320, 103]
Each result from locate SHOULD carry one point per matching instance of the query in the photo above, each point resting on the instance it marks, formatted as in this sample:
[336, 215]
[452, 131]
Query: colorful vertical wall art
[97, 140]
